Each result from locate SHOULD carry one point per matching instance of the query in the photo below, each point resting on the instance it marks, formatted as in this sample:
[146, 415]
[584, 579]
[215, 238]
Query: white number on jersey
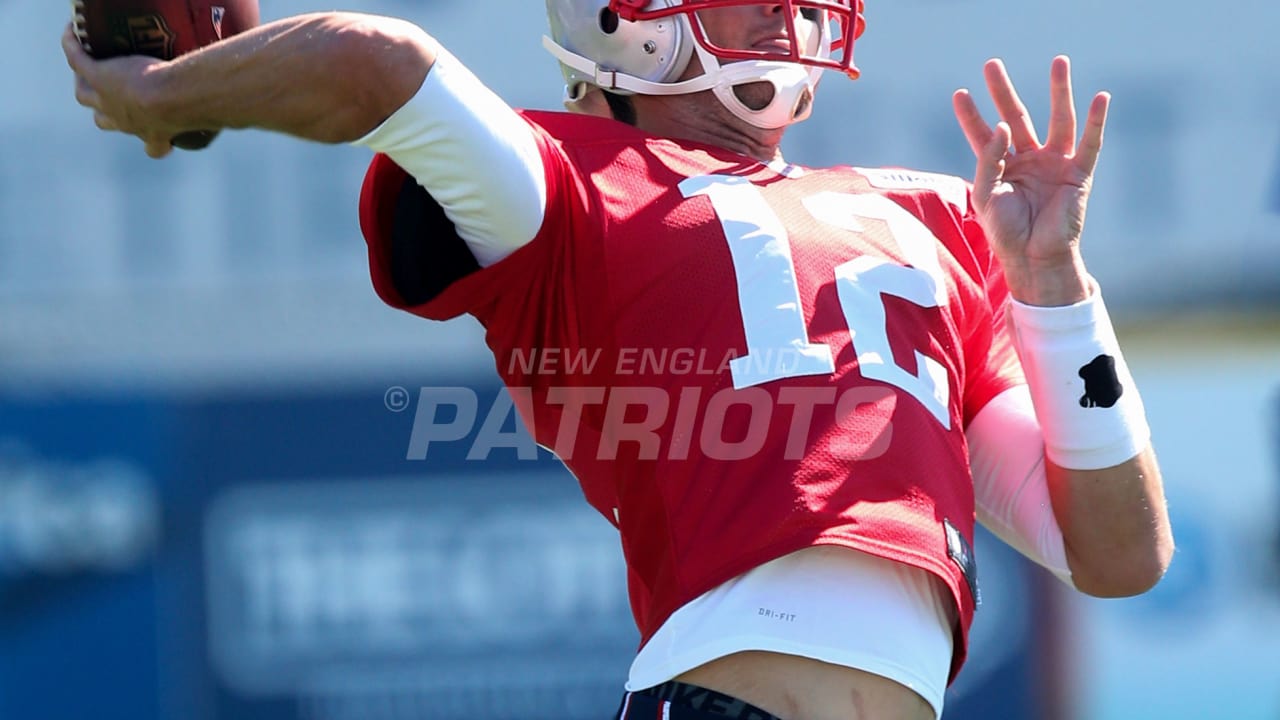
[769, 298]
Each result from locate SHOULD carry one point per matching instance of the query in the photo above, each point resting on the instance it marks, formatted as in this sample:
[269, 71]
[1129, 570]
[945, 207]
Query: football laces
[78, 24]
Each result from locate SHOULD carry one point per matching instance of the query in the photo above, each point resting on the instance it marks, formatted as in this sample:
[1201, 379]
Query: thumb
[159, 148]
[991, 164]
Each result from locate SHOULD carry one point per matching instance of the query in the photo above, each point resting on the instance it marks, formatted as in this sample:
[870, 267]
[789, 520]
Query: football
[163, 29]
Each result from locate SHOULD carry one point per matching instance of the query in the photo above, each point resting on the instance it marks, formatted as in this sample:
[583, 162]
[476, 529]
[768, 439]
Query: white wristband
[1085, 399]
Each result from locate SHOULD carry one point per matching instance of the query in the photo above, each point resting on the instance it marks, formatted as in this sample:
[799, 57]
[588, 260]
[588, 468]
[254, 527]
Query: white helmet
[642, 46]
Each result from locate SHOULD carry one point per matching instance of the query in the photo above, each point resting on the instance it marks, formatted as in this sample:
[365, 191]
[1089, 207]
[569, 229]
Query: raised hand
[1031, 200]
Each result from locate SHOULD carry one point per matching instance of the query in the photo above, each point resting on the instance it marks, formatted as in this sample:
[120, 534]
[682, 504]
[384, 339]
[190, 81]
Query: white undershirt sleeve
[473, 154]
[1006, 453]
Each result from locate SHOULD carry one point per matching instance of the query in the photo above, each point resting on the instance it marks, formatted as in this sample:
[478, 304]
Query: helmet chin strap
[789, 80]
[790, 83]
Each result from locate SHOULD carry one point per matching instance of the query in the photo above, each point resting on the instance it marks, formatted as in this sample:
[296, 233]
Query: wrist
[1084, 395]
[1048, 284]
[160, 99]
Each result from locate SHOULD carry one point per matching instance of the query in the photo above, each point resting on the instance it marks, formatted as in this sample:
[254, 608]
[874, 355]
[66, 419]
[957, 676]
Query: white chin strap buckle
[789, 83]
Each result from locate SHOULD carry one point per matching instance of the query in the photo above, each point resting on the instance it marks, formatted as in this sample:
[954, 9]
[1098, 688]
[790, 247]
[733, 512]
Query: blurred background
[210, 508]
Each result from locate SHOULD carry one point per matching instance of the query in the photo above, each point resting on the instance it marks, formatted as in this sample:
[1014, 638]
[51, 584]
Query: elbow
[383, 63]
[1127, 573]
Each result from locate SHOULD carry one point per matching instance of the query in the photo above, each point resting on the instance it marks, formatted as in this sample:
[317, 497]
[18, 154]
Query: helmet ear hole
[608, 21]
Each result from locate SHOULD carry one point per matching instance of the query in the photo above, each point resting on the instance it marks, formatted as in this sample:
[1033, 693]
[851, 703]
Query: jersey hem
[954, 582]
[929, 692]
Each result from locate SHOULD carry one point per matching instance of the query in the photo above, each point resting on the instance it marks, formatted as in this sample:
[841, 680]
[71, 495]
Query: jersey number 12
[773, 320]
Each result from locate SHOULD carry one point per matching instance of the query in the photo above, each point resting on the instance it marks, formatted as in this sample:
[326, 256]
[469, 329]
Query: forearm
[1103, 479]
[329, 77]
[1115, 525]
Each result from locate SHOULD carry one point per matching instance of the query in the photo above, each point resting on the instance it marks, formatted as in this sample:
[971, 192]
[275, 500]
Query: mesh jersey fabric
[628, 265]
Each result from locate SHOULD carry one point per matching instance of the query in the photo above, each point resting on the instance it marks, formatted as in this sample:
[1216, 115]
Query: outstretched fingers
[1062, 110]
[990, 145]
[991, 164]
[976, 130]
[1091, 143]
[1010, 106]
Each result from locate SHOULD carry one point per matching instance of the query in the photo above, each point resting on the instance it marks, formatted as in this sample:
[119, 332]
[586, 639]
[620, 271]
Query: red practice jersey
[736, 360]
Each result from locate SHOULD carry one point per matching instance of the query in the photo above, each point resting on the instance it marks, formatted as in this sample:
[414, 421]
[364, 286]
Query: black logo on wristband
[1102, 386]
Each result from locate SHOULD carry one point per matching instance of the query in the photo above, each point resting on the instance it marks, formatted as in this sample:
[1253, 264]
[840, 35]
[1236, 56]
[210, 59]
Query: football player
[899, 352]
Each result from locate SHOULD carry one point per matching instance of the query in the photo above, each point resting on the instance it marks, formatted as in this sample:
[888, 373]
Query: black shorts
[681, 701]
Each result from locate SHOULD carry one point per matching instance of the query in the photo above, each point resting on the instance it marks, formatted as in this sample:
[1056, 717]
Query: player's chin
[758, 95]
[755, 95]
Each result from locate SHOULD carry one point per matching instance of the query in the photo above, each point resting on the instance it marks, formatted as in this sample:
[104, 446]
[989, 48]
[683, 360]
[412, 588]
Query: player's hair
[621, 107]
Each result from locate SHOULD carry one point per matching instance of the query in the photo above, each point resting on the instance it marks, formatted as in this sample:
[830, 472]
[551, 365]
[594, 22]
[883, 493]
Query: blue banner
[295, 556]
